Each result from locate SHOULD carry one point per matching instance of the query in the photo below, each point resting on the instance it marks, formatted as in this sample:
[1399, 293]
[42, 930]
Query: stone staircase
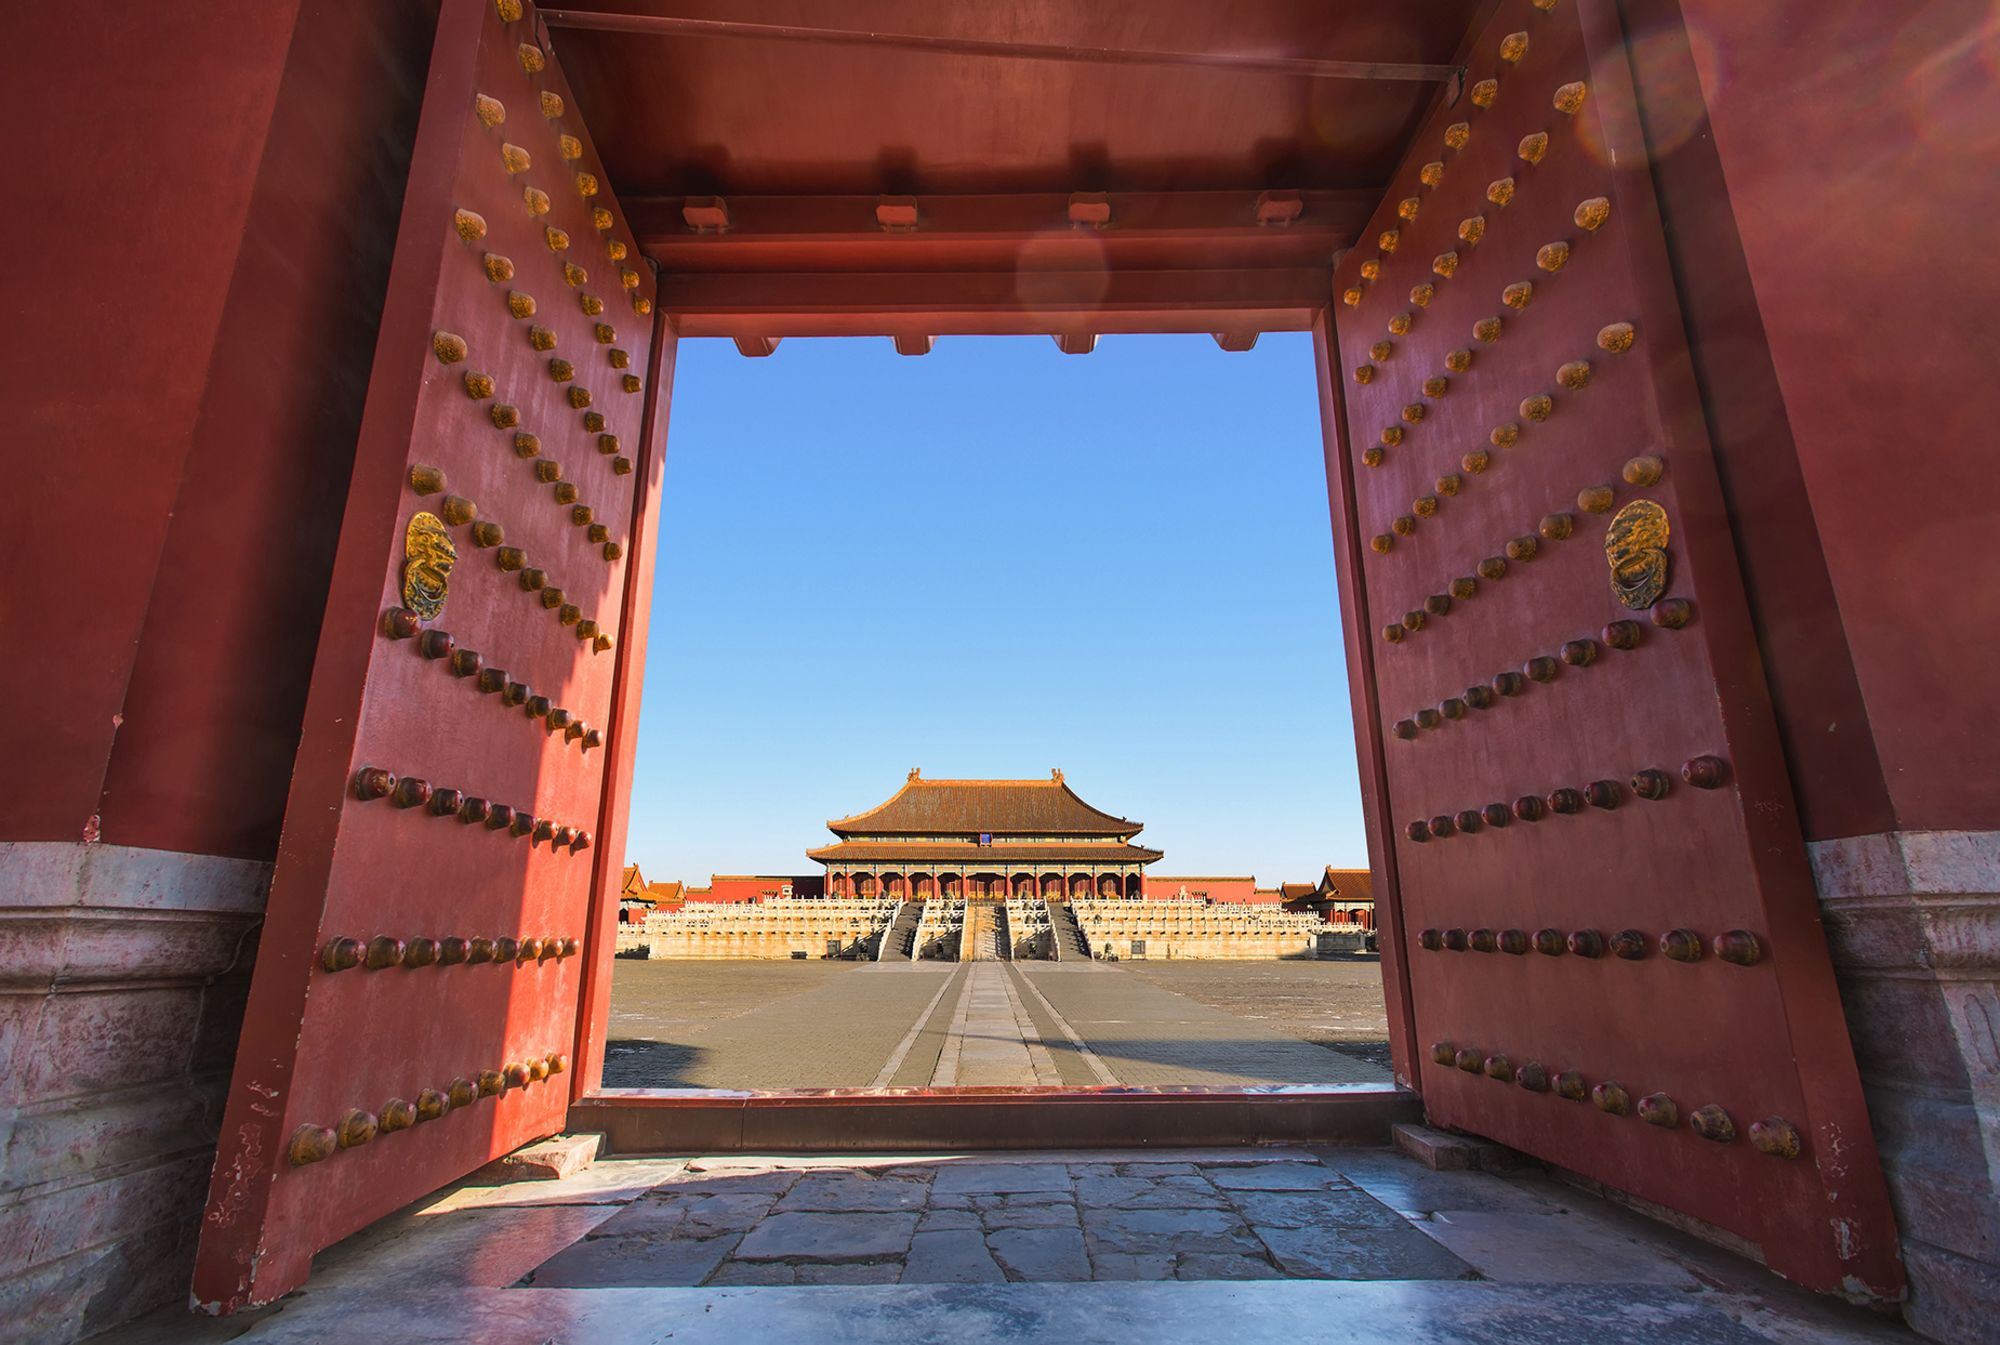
[1071, 946]
[899, 940]
[985, 933]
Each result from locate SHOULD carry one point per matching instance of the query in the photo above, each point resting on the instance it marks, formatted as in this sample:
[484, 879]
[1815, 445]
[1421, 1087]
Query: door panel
[415, 1004]
[1570, 755]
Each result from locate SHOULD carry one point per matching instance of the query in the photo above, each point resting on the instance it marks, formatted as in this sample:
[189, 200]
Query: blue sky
[989, 561]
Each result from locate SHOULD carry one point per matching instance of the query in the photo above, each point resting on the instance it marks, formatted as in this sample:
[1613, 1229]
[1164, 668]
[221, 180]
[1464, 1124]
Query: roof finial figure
[916, 771]
[1056, 775]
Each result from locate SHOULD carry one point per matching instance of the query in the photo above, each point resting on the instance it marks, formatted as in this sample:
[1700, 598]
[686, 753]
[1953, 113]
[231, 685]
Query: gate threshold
[716, 1121]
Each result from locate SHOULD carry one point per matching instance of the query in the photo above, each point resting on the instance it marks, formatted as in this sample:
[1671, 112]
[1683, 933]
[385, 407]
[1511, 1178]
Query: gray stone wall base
[121, 995]
[1913, 919]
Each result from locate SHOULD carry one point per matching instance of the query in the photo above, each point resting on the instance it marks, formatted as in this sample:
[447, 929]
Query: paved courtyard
[1345, 1245]
[792, 1025]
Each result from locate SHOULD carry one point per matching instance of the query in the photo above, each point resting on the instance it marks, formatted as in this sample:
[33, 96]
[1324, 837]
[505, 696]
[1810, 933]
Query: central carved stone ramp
[1069, 940]
[985, 938]
[899, 940]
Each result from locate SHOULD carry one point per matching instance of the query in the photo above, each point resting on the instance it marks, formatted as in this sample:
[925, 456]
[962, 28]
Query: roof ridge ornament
[1056, 775]
[916, 773]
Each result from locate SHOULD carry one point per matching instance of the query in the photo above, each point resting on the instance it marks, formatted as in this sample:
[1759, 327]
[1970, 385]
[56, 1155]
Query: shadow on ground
[631, 1062]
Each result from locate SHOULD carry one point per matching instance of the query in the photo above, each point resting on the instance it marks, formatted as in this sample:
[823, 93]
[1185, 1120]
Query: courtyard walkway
[787, 1025]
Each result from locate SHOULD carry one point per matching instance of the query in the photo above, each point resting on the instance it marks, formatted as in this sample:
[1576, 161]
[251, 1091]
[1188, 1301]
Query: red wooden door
[415, 1009]
[1609, 930]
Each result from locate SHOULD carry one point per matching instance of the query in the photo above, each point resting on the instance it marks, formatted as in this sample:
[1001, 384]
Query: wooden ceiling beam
[1302, 67]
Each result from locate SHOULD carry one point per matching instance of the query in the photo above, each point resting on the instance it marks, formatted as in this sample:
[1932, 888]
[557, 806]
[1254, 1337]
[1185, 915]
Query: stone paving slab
[1148, 1232]
[853, 1191]
[1396, 1252]
[599, 1263]
[1329, 1210]
[990, 1179]
[1555, 1248]
[1417, 1192]
[829, 1237]
[1041, 1256]
[952, 1256]
[1276, 1177]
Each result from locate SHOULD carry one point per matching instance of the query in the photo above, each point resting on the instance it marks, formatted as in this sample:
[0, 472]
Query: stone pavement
[1222, 1215]
[837, 1034]
[943, 1025]
[1180, 1246]
[1149, 1036]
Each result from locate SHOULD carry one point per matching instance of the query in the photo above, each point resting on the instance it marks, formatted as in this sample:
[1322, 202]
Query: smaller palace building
[984, 838]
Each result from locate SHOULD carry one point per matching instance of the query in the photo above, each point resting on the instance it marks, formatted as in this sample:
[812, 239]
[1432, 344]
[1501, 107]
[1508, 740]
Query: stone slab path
[1234, 1215]
[1173, 1247]
[992, 1043]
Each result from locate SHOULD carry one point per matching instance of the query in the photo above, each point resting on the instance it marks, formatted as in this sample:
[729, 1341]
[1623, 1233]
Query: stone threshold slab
[1326, 1312]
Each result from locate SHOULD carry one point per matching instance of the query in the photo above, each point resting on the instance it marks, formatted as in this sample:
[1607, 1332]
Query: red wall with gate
[1840, 319]
[193, 374]
[204, 230]
[215, 267]
[1851, 139]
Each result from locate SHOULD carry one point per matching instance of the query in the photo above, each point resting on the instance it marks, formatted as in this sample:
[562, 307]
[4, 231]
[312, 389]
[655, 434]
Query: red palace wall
[1847, 370]
[1160, 886]
[757, 886]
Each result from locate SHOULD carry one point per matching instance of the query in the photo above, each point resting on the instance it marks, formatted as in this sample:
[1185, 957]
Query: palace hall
[984, 838]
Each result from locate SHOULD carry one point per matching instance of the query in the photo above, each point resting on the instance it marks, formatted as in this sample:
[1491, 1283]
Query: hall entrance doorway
[1599, 935]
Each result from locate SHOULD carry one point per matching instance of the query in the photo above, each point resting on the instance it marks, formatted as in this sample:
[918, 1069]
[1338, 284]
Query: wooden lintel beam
[1334, 217]
[915, 305]
[1304, 67]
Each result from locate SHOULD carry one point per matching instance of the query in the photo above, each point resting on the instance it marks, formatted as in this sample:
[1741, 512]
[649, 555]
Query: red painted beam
[1075, 303]
[664, 25]
[1208, 230]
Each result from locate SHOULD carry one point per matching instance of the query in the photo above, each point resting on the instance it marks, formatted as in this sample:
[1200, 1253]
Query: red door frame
[641, 1120]
[884, 308]
[1368, 745]
[621, 731]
